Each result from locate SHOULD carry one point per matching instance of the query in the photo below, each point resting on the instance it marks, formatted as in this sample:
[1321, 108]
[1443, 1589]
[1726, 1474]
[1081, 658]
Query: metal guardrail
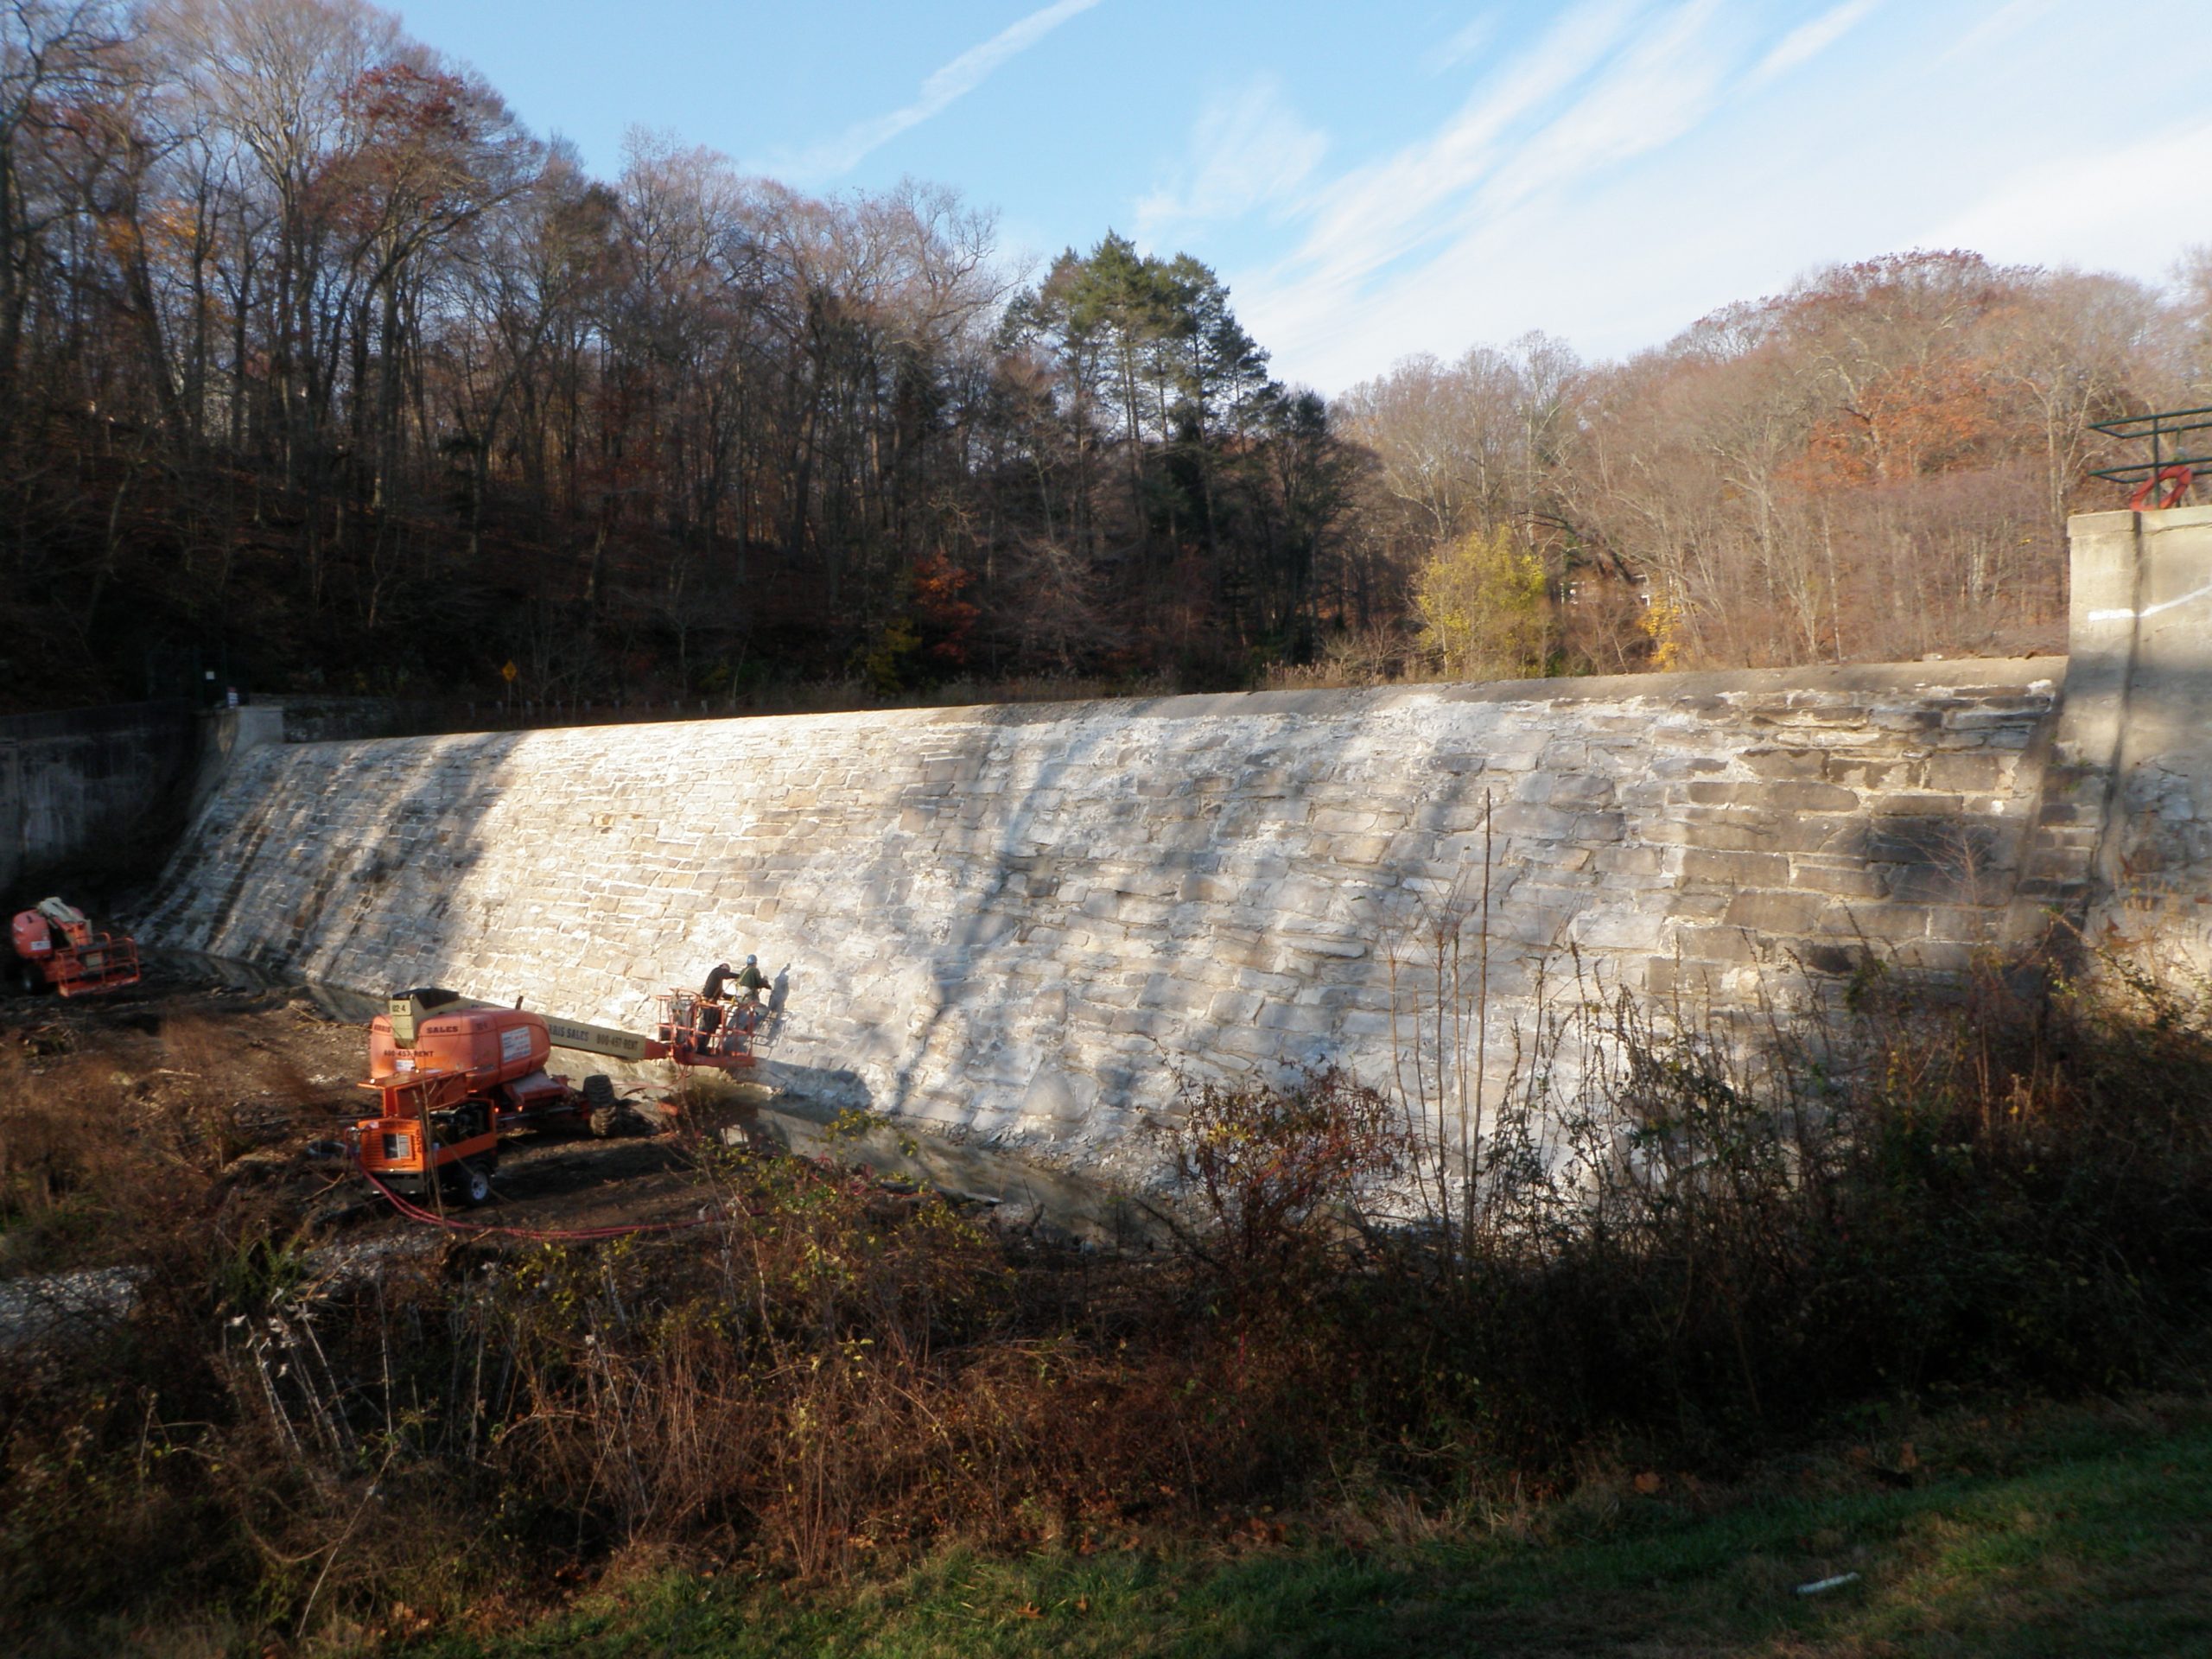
[2166, 432]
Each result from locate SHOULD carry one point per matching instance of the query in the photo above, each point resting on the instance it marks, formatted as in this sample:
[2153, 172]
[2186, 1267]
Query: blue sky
[1406, 175]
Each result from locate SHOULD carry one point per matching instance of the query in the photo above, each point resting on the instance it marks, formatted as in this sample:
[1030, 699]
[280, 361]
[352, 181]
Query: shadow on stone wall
[293, 872]
[1027, 922]
[1156, 982]
[1274, 907]
[2145, 821]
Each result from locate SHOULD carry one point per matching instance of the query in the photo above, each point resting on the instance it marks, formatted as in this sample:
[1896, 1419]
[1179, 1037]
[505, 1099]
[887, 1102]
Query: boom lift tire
[32, 982]
[607, 1112]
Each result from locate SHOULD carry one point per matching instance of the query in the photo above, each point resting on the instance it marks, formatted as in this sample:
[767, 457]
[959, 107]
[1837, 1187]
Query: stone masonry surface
[1019, 922]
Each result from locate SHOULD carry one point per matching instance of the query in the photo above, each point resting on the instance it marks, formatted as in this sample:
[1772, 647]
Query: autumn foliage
[316, 365]
[1875, 465]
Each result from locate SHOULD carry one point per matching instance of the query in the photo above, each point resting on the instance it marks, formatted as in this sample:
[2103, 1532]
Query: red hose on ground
[540, 1235]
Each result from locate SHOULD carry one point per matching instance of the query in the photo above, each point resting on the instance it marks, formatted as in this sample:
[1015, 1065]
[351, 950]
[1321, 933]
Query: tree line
[1877, 464]
[315, 362]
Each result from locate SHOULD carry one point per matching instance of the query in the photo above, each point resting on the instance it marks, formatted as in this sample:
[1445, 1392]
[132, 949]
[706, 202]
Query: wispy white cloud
[954, 82]
[1630, 164]
[1464, 44]
[1379, 213]
[2117, 200]
[1663, 82]
[2000, 25]
[1384, 242]
[1499, 199]
[1808, 41]
[1248, 151]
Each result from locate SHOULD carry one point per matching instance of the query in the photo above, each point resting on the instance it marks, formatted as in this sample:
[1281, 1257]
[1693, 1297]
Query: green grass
[2090, 1537]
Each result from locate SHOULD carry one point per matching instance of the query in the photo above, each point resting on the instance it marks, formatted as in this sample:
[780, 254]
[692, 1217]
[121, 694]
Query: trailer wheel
[471, 1185]
[29, 975]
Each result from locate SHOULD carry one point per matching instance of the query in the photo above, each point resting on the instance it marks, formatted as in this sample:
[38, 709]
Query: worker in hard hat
[752, 982]
[708, 1019]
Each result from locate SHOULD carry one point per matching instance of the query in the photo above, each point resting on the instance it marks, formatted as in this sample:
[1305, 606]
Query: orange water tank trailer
[489, 1046]
[449, 1076]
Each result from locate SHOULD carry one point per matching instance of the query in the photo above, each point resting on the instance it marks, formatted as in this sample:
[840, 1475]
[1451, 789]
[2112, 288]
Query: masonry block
[1844, 880]
[1774, 797]
[1787, 764]
[1736, 869]
[1776, 912]
[1714, 944]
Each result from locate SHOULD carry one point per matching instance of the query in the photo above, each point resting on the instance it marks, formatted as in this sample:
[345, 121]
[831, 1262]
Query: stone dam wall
[1022, 922]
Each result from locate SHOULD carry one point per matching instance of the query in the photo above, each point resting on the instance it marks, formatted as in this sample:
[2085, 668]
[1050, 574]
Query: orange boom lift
[452, 1075]
[56, 947]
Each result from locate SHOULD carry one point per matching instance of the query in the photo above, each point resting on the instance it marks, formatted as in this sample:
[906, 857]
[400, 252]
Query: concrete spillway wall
[1022, 921]
[77, 785]
[2132, 778]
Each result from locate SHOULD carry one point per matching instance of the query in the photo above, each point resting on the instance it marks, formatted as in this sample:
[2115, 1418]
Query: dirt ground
[269, 1075]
